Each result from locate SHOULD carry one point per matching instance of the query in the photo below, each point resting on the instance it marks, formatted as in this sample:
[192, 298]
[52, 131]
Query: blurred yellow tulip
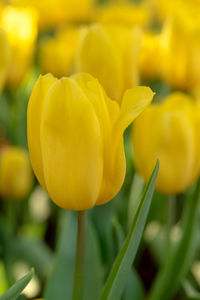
[58, 12]
[124, 14]
[169, 132]
[16, 177]
[110, 53]
[75, 138]
[162, 9]
[57, 54]
[20, 25]
[4, 58]
[151, 56]
[181, 53]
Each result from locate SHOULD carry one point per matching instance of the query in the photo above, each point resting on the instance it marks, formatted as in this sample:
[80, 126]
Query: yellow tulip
[57, 54]
[4, 58]
[181, 53]
[169, 132]
[110, 53]
[162, 9]
[151, 56]
[75, 138]
[125, 14]
[16, 177]
[58, 12]
[20, 25]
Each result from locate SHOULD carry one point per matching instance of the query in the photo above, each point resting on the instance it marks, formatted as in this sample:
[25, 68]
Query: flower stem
[80, 257]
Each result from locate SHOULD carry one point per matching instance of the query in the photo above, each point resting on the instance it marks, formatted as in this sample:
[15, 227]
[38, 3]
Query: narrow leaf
[60, 282]
[15, 290]
[179, 261]
[190, 292]
[117, 278]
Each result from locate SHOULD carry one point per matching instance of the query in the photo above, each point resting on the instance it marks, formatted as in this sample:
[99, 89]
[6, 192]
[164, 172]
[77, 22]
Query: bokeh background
[39, 37]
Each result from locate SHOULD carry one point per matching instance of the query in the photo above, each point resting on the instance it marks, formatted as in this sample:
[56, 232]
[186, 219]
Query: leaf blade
[115, 283]
[15, 290]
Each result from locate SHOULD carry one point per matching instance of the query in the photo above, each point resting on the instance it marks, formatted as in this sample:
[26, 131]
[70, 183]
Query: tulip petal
[114, 174]
[71, 147]
[35, 110]
[98, 56]
[134, 102]
[107, 112]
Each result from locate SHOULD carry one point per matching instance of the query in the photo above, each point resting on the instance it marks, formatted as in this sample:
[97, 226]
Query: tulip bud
[181, 53]
[168, 132]
[150, 57]
[110, 53]
[63, 47]
[54, 13]
[4, 58]
[75, 138]
[125, 14]
[16, 178]
[20, 25]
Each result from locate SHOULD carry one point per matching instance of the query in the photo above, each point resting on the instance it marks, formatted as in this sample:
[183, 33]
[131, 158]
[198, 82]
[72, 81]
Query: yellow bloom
[151, 56]
[4, 58]
[58, 12]
[181, 50]
[75, 138]
[16, 177]
[20, 25]
[125, 14]
[169, 132]
[57, 54]
[162, 9]
[110, 54]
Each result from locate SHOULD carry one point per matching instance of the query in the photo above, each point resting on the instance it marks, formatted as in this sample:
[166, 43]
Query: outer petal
[35, 110]
[134, 102]
[107, 112]
[71, 147]
[97, 55]
[114, 174]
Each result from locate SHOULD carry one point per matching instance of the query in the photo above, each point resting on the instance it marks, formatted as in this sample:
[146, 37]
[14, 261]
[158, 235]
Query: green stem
[80, 257]
[171, 219]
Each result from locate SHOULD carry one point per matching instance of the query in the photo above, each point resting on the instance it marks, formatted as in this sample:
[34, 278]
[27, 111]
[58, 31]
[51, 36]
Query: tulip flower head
[63, 47]
[110, 53]
[75, 138]
[151, 56]
[181, 52]
[16, 177]
[169, 132]
[54, 13]
[20, 25]
[125, 14]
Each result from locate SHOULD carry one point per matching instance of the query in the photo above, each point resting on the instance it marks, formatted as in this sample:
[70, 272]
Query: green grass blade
[117, 278]
[178, 263]
[15, 290]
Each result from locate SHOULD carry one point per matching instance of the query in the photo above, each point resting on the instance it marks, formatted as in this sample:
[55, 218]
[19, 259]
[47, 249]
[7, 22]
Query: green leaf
[14, 291]
[134, 288]
[136, 192]
[179, 260]
[190, 292]
[117, 278]
[35, 253]
[60, 283]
